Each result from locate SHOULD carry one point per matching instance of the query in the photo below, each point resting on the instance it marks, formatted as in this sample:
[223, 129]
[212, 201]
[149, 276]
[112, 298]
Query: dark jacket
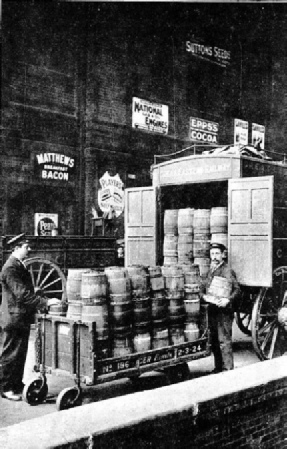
[19, 302]
[226, 272]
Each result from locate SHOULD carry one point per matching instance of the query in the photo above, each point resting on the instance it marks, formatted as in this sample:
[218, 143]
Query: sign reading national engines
[55, 166]
[45, 223]
[203, 130]
[150, 116]
[111, 195]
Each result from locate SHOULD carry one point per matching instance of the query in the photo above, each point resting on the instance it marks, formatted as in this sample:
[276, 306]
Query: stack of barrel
[201, 240]
[140, 290]
[185, 236]
[218, 225]
[192, 302]
[94, 297]
[174, 291]
[170, 242]
[159, 308]
[121, 310]
[73, 288]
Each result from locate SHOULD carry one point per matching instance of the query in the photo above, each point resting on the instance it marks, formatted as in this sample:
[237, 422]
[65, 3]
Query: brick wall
[244, 408]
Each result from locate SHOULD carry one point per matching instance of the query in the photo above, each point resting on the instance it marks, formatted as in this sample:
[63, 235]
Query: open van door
[250, 229]
[140, 226]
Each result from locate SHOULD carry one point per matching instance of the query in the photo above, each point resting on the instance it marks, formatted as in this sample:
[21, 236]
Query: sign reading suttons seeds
[150, 116]
[111, 195]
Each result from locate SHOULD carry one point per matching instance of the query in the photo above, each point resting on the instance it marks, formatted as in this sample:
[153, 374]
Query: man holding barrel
[220, 289]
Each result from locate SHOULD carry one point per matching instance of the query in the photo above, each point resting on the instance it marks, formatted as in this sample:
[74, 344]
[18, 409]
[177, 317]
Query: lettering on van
[201, 130]
[55, 166]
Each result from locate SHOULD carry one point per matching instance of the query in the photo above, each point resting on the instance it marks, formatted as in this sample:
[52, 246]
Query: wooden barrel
[122, 344]
[156, 279]
[74, 283]
[185, 221]
[99, 314]
[176, 311]
[103, 347]
[141, 310]
[74, 311]
[94, 288]
[139, 278]
[220, 287]
[193, 275]
[173, 278]
[160, 337]
[191, 331]
[170, 243]
[121, 314]
[201, 221]
[118, 280]
[185, 248]
[201, 245]
[220, 238]
[142, 341]
[176, 333]
[218, 220]
[204, 265]
[192, 309]
[159, 308]
[170, 221]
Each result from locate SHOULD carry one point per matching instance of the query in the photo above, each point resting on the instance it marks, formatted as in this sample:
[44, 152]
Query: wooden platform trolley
[254, 191]
[72, 347]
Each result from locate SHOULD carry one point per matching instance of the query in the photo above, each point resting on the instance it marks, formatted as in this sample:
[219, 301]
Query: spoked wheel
[268, 336]
[47, 276]
[68, 398]
[35, 392]
[243, 320]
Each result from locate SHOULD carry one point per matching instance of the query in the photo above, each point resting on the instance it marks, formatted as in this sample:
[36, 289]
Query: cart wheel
[267, 334]
[35, 392]
[68, 398]
[243, 321]
[177, 373]
[48, 276]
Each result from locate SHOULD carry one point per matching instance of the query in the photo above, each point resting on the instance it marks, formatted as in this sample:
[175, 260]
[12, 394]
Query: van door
[140, 226]
[250, 229]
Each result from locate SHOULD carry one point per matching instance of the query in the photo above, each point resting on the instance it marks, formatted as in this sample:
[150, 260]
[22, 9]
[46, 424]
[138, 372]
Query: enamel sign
[111, 195]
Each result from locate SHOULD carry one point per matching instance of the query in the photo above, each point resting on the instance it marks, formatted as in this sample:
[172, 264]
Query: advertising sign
[45, 223]
[55, 166]
[209, 53]
[111, 195]
[150, 116]
[240, 132]
[203, 131]
[258, 136]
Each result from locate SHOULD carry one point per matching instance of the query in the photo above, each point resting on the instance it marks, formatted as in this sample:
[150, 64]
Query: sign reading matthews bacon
[150, 116]
[55, 166]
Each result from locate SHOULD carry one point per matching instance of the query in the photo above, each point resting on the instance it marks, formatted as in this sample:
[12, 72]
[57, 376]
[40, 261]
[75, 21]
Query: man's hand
[222, 302]
[53, 302]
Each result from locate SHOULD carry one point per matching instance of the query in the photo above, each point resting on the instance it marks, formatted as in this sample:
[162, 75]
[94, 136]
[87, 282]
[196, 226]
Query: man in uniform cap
[221, 313]
[20, 301]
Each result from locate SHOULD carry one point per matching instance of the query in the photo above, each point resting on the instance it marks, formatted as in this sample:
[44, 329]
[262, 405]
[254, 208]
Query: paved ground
[15, 412]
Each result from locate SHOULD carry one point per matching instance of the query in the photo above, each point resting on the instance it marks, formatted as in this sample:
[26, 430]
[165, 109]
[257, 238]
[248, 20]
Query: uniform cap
[17, 240]
[219, 246]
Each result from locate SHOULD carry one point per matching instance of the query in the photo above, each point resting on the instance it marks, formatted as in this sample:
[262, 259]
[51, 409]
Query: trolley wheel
[177, 373]
[268, 336]
[36, 391]
[68, 398]
[47, 276]
[243, 321]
